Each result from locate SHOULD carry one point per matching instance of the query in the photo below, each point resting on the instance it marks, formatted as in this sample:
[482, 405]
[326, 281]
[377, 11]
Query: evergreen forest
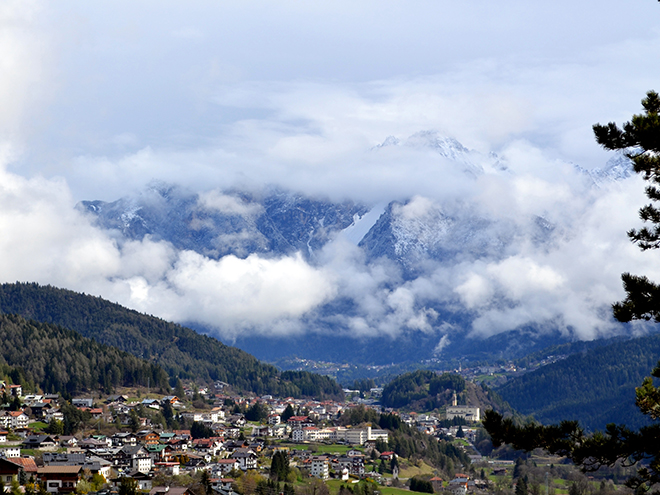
[55, 360]
[180, 351]
[597, 386]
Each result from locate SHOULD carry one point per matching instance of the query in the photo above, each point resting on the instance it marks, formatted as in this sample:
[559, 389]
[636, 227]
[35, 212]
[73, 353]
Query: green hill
[180, 351]
[424, 391]
[59, 360]
[595, 387]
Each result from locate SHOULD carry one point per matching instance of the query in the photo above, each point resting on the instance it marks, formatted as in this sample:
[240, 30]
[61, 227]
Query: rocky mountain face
[232, 222]
[410, 233]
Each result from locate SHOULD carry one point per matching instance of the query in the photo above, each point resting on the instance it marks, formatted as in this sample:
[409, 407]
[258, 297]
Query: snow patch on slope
[355, 232]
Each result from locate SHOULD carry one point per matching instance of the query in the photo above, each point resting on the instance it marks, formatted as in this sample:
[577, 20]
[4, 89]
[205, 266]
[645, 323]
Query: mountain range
[409, 240]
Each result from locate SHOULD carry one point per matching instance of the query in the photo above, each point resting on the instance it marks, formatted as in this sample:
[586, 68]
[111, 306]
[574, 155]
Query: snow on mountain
[219, 223]
[617, 168]
[403, 242]
[361, 225]
[430, 140]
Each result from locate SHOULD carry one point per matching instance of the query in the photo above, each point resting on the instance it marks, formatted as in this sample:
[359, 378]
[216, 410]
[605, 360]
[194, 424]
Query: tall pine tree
[640, 139]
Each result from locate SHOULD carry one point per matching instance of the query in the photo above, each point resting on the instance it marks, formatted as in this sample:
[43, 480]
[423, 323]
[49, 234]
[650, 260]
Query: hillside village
[221, 444]
[217, 440]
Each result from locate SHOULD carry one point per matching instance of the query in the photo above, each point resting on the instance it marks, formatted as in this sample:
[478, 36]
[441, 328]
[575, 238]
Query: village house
[14, 420]
[157, 452]
[59, 479]
[300, 422]
[42, 442]
[170, 468]
[320, 467]
[246, 458]
[223, 466]
[262, 431]
[143, 481]
[15, 390]
[170, 490]
[135, 457]
[120, 439]
[211, 446]
[9, 470]
[147, 437]
[28, 465]
[178, 445]
[51, 414]
[10, 452]
[274, 419]
[222, 486]
[39, 409]
[437, 483]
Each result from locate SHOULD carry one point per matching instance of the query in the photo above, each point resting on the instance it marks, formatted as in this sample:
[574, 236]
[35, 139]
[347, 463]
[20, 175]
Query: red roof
[298, 418]
[27, 463]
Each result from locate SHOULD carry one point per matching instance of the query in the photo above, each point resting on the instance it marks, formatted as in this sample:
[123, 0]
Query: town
[209, 441]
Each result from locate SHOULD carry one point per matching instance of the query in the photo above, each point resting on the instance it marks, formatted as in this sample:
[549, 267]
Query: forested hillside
[422, 390]
[59, 360]
[425, 390]
[179, 350]
[595, 387]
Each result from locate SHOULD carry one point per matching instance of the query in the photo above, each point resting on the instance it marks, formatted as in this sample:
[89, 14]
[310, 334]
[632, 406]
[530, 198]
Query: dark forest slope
[181, 351]
[59, 360]
[596, 386]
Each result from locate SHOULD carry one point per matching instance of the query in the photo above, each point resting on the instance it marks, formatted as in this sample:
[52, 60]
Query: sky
[101, 98]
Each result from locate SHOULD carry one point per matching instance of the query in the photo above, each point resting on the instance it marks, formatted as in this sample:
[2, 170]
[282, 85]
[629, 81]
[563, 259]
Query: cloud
[227, 204]
[103, 99]
[566, 280]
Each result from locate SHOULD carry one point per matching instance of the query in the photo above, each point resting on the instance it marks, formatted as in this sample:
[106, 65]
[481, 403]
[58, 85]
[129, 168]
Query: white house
[320, 467]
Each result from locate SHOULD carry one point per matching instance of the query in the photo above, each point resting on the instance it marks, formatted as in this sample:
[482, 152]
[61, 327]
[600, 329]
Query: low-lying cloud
[565, 280]
[123, 96]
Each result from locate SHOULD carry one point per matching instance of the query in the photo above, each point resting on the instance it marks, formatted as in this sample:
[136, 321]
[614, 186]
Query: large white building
[354, 436]
[357, 436]
[320, 467]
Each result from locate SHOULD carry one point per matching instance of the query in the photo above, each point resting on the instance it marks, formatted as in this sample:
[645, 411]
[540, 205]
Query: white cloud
[229, 205]
[101, 98]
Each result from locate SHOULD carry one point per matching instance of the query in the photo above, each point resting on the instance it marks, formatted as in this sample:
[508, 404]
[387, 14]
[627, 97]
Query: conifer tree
[640, 140]
[521, 486]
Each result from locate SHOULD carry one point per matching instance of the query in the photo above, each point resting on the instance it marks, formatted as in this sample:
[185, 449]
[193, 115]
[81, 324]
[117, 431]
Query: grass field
[410, 471]
[390, 490]
[334, 486]
[322, 448]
